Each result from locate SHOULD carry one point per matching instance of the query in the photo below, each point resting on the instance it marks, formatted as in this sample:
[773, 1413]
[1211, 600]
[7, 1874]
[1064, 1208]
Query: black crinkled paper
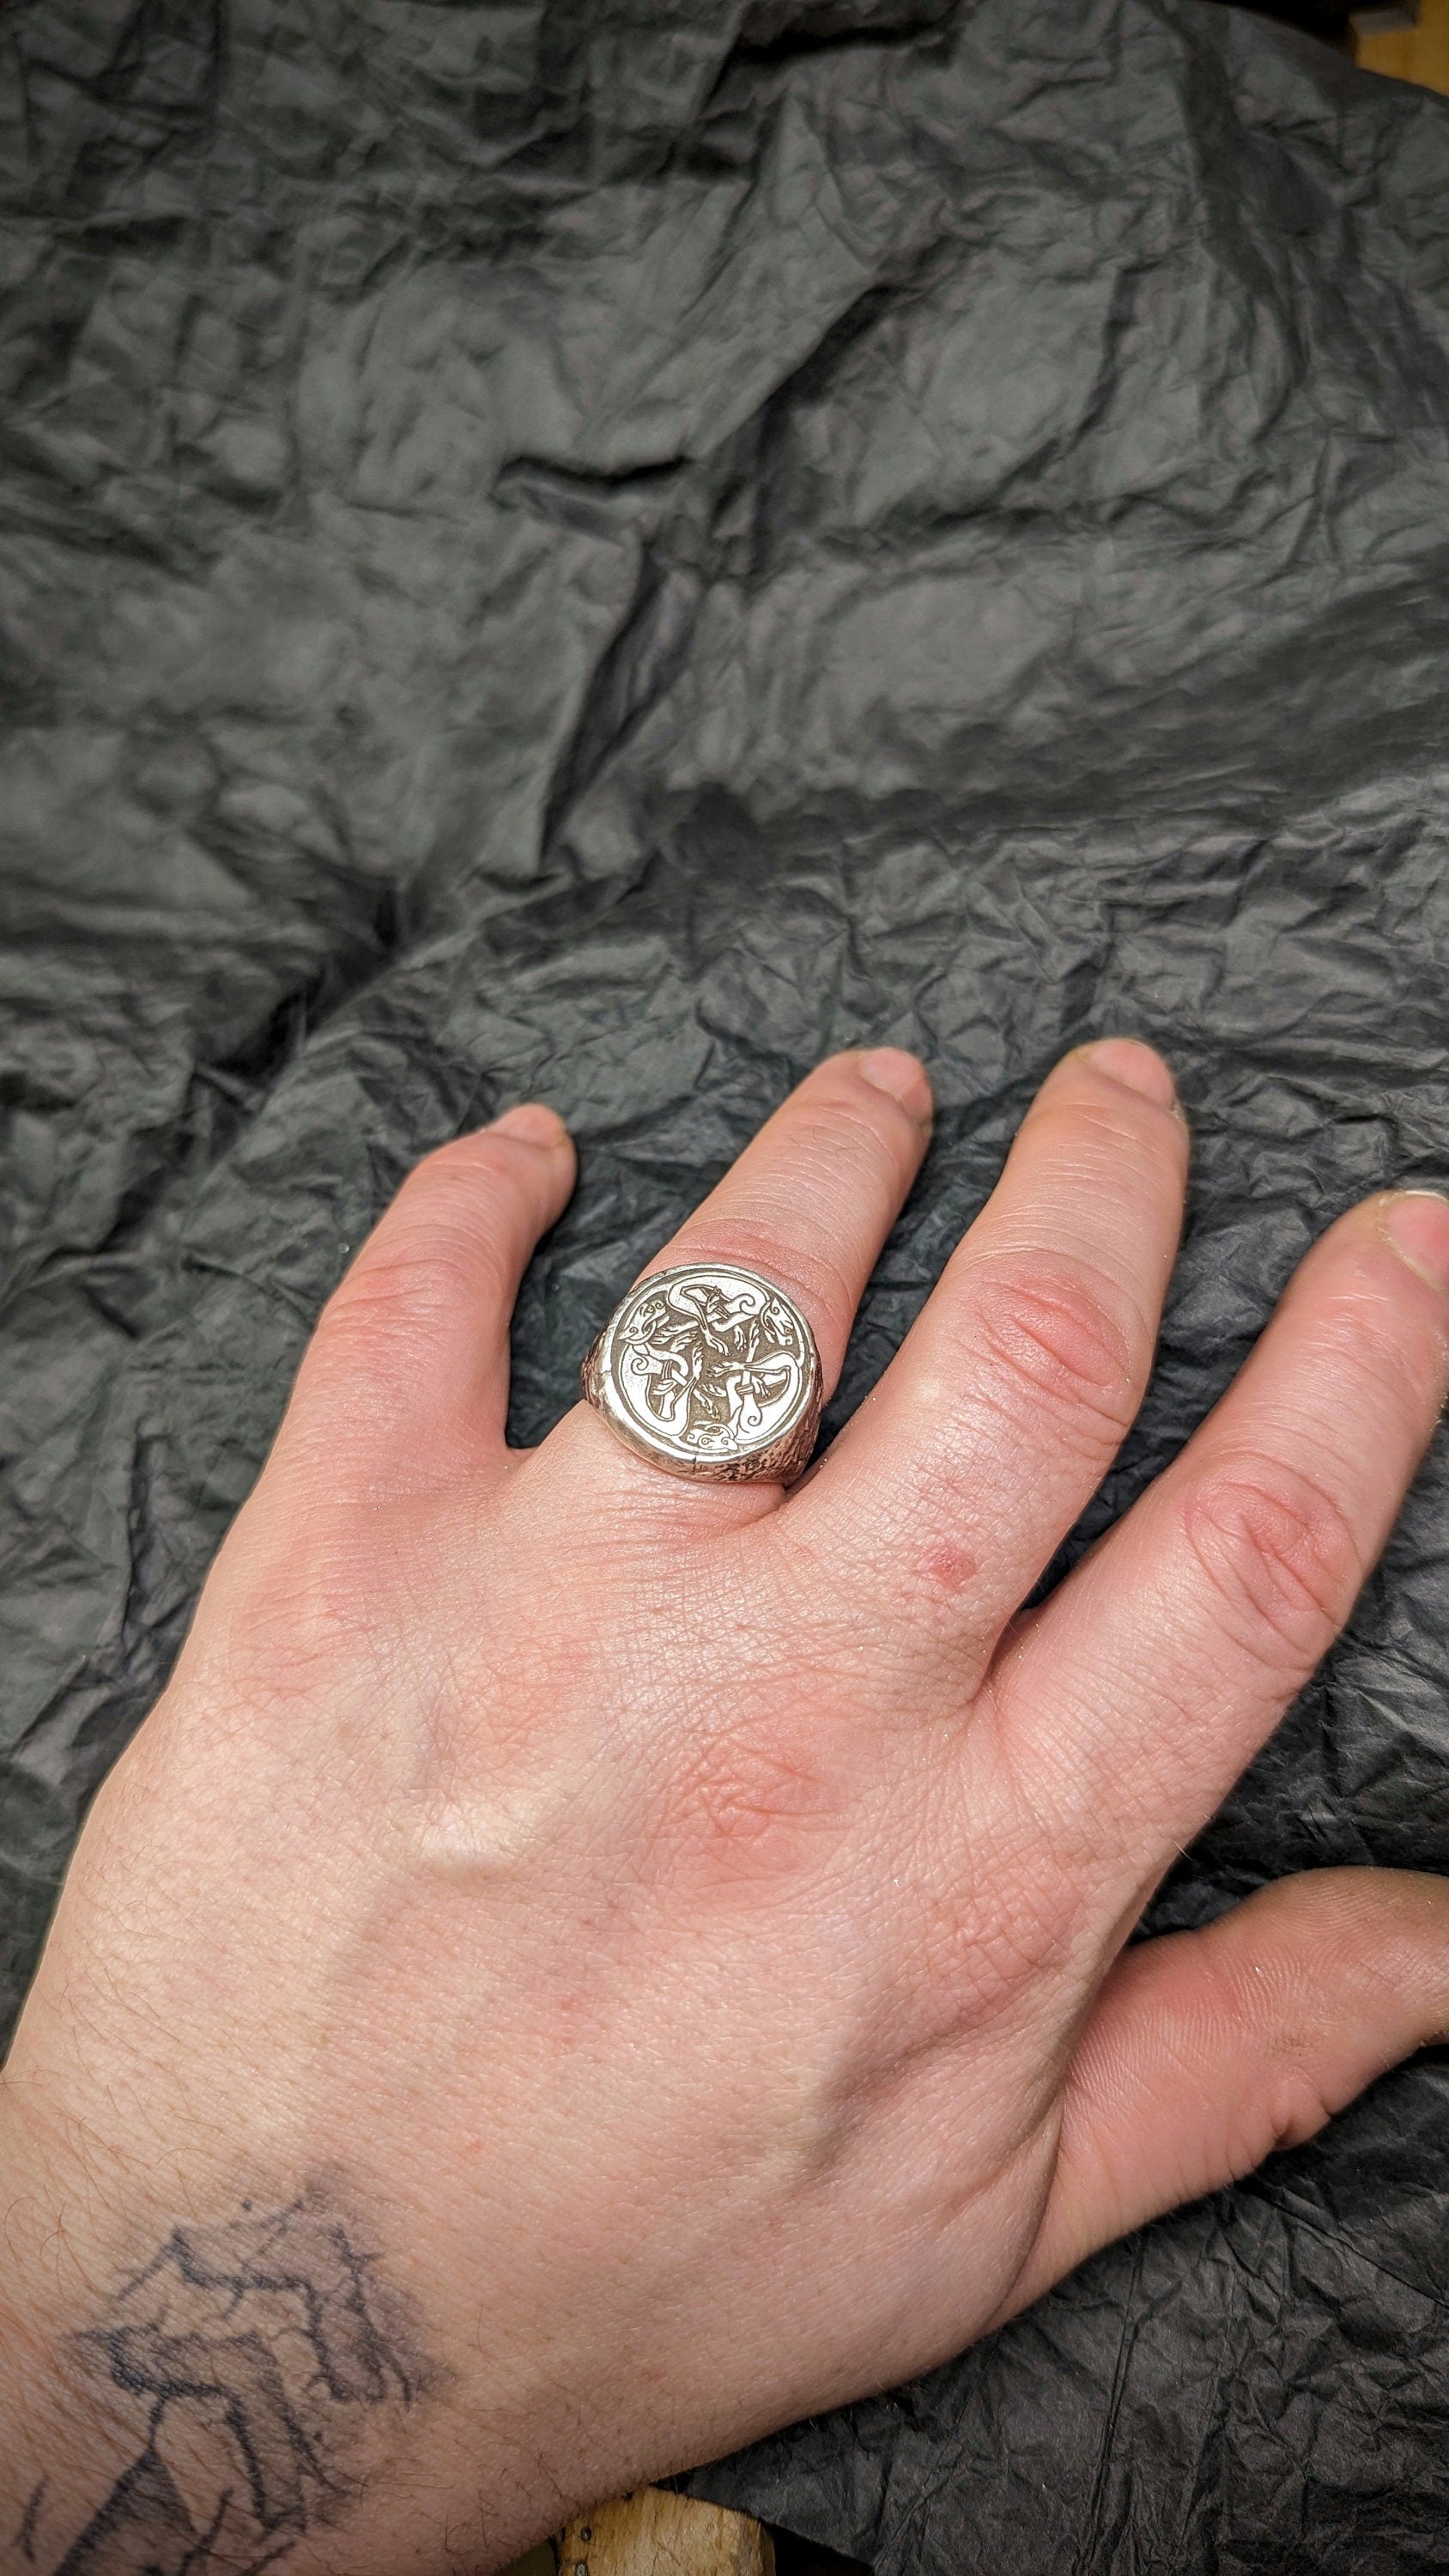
[606, 550]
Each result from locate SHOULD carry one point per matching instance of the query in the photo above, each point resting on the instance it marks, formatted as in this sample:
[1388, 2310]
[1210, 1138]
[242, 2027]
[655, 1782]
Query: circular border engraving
[711, 1371]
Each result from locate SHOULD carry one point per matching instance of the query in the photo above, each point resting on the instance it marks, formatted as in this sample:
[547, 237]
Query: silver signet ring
[709, 1371]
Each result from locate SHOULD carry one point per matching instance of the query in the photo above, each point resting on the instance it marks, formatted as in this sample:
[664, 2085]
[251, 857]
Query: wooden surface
[654, 2533]
[1415, 53]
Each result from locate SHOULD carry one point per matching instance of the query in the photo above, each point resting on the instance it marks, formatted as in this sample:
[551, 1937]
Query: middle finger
[948, 1492]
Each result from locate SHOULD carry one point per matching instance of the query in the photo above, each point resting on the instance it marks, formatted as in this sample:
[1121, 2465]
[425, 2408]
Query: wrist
[60, 2427]
[169, 2385]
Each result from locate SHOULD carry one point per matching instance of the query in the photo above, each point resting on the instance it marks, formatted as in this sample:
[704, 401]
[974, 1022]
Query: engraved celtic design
[711, 1362]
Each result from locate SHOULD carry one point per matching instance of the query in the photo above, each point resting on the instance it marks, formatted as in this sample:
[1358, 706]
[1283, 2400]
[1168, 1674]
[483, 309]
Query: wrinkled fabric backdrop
[605, 551]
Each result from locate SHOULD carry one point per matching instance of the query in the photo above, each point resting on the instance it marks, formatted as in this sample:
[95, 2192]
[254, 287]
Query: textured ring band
[709, 1371]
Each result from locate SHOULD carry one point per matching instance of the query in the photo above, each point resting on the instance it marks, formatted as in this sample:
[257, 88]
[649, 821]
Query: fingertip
[901, 1075]
[1415, 1225]
[1133, 1066]
[532, 1122]
[1385, 1261]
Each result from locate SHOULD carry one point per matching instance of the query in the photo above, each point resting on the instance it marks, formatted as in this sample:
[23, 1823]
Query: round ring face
[709, 1371]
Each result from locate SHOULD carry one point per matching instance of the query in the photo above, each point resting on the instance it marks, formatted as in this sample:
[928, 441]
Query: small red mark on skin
[949, 1567]
[566, 2021]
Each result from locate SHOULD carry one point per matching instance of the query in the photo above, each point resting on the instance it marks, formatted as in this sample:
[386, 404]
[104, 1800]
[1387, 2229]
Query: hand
[580, 1968]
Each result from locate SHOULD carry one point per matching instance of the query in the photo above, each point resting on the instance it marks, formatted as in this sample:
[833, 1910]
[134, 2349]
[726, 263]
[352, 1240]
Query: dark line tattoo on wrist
[25, 2536]
[260, 2352]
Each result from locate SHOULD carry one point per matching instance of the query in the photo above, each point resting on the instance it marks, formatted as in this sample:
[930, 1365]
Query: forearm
[197, 2375]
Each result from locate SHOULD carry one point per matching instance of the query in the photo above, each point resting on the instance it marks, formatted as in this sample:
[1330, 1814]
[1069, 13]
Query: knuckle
[1024, 1933]
[1092, 1127]
[407, 1287]
[1365, 1349]
[1280, 1556]
[755, 1810]
[1063, 1342]
[443, 1246]
[1019, 1925]
[985, 1962]
[810, 1274]
[1288, 2103]
[1297, 2107]
[455, 1181]
[1115, 1121]
[845, 1130]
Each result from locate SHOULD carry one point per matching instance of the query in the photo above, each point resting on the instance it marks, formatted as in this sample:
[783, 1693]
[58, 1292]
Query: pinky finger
[1207, 2050]
[408, 1366]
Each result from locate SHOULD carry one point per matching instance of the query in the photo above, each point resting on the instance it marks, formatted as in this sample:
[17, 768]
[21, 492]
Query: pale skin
[682, 1926]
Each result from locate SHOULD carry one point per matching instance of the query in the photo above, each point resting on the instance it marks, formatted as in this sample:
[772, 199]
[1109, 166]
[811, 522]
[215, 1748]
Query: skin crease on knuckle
[420, 1283]
[1280, 1556]
[1055, 1348]
[446, 1253]
[1035, 1899]
[1054, 1365]
[1095, 1134]
[999, 1956]
[764, 1801]
[1288, 2102]
[1359, 1342]
[856, 1135]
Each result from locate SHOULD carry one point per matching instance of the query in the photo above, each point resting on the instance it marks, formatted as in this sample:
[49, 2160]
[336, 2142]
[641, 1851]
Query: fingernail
[1138, 1068]
[532, 1124]
[1416, 1223]
[891, 1069]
